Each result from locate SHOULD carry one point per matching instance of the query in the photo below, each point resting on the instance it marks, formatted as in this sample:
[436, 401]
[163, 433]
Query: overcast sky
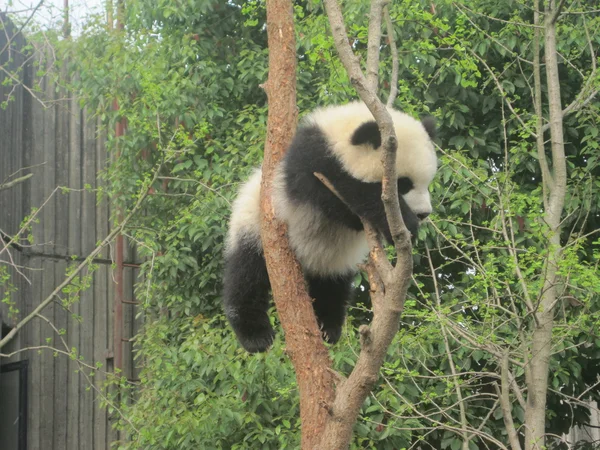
[51, 11]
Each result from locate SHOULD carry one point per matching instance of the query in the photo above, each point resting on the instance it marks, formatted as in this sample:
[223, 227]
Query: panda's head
[356, 140]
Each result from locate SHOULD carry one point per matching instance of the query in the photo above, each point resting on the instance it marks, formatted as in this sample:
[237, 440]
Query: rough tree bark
[303, 338]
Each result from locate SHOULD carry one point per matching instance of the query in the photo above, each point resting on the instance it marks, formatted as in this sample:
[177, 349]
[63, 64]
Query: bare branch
[374, 43]
[503, 395]
[14, 182]
[204, 185]
[582, 100]
[589, 11]
[390, 189]
[547, 181]
[490, 37]
[557, 11]
[459, 396]
[388, 284]
[23, 25]
[503, 93]
[394, 52]
[14, 239]
[497, 19]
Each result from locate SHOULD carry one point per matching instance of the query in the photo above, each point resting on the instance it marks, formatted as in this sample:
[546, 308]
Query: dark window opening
[13, 405]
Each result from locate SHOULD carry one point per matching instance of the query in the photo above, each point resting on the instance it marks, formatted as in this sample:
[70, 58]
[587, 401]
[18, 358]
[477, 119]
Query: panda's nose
[423, 216]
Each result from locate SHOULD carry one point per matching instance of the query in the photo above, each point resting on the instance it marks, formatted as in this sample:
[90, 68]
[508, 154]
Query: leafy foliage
[186, 77]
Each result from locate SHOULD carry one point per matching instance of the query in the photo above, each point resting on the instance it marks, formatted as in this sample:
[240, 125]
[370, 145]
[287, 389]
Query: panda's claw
[331, 335]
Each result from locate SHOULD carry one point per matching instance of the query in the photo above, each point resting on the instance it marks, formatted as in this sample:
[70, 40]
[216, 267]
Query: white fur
[245, 215]
[415, 157]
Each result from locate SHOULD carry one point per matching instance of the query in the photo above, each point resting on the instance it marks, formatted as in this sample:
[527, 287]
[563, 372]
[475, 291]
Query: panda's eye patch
[405, 184]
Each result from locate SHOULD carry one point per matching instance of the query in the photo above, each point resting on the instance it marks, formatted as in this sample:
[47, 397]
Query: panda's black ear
[429, 125]
[367, 133]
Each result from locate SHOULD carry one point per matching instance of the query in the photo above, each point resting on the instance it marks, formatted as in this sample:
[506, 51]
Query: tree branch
[374, 43]
[388, 284]
[394, 51]
[380, 260]
[547, 182]
[503, 395]
[14, 182]
[459, 396]
[541, 337]
[557, 11]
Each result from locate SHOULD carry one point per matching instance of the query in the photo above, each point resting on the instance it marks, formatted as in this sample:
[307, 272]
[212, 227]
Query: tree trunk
[541, 340]
[303, 338]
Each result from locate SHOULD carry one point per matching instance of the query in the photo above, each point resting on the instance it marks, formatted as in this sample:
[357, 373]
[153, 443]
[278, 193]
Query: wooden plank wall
[62, 146]
[12, 132]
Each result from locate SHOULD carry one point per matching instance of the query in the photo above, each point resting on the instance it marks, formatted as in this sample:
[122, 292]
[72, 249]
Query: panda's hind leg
[331, 295]
[246, 295]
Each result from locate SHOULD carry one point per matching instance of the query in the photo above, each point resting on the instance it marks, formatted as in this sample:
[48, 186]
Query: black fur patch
[405, 184]
[367, 133]
[331, 295]
[430, 126]
[246, 296]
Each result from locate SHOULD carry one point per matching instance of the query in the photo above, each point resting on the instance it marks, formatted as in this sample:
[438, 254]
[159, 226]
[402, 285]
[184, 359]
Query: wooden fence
[46, 133]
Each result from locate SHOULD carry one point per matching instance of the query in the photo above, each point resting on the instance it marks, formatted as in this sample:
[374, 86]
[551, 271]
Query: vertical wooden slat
[11, 155]
[127, 318]
[113, 434]
[47, 364]
[37, 198]
[88, 243]
[61, 241]
[127, 310]
[6, 116]
[48, 221]
[101, 346]
[35, 361]
[26, 290]
[74, 244]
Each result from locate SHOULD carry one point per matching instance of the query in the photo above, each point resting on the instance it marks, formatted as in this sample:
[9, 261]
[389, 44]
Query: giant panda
[344, 144]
